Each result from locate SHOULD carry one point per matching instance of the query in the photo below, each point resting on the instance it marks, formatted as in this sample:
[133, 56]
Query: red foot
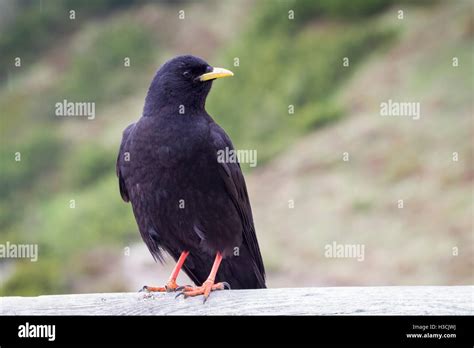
[205, 289]
[171, 286]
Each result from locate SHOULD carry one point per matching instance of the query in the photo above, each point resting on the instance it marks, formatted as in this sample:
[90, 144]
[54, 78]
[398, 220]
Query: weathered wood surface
[400, 300]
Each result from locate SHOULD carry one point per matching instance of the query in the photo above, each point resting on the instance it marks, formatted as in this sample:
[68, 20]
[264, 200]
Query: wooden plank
[396, 300]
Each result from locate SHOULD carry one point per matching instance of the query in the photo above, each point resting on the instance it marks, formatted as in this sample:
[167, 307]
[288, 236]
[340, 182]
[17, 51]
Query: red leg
[209, 285]
[171, 284]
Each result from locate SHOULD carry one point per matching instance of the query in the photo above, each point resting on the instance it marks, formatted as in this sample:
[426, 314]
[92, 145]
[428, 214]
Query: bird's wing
[234, 182]
[119, 164]
[147, 230]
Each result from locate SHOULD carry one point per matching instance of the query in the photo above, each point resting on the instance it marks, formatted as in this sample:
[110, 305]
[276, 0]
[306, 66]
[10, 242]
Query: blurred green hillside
[280, 63]
[430, 241]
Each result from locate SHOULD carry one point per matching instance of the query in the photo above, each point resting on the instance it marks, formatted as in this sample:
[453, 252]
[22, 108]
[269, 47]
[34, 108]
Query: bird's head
[183, 83]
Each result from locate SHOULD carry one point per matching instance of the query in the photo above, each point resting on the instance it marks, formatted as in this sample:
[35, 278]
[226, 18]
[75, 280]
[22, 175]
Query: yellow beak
[216, 73]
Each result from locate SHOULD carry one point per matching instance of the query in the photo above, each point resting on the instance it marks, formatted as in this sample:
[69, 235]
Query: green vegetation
[30, 279]
[274, 14]
[102, 61]
[292, 65]
[39, 25]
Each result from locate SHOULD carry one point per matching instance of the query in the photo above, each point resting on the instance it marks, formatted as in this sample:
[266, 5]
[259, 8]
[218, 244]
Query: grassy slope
[297, 63]
[391, 159]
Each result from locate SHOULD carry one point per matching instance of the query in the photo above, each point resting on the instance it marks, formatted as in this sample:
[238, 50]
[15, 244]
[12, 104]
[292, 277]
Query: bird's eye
[186, 73]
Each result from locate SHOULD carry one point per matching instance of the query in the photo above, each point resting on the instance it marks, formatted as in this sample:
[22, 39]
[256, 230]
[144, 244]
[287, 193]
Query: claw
[180, 293]
[226, 285]
[184, 287]
[143, 289]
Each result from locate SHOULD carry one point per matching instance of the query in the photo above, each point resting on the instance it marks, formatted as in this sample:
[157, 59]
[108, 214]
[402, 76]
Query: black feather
[182, 197]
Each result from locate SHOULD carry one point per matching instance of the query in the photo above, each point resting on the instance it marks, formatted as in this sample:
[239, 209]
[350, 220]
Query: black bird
[185, 201]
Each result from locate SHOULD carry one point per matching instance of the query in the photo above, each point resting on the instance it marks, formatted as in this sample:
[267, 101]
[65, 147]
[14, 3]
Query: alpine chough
[185, 201]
